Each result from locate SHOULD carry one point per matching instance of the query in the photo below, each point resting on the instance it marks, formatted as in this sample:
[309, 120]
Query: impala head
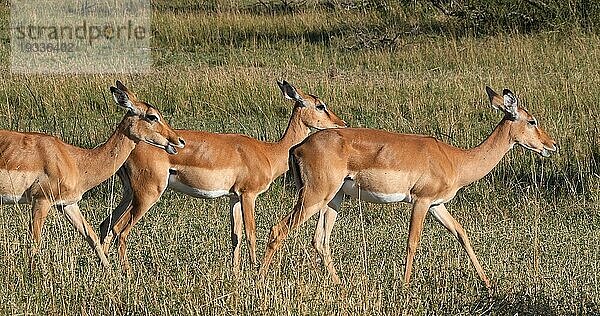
[524, 129]
[313, 111]
[148, 124]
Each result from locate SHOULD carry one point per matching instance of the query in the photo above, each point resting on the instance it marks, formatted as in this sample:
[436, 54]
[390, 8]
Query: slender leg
[146, 186]
[310, 201]
[320, 187]
[445, 218]
[140, 205]
[417, 218]
[121, 213]
[236, 222]
[85, 229]
[321, 241]
[330, 216]
[39, 212]
[317, 242]
[107, 233]
[319, 237]
[248, 202]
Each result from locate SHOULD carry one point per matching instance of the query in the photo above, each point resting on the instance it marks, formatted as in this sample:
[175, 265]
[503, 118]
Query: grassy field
[533, 222]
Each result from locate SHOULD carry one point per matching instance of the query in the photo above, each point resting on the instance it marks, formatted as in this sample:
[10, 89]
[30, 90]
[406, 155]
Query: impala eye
[320, 107]
[152, 117]
[532, 122]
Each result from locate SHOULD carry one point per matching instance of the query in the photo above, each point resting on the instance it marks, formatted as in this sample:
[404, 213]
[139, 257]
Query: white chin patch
[171, 149]
[545, 153]
[156, 145]
[531, 148]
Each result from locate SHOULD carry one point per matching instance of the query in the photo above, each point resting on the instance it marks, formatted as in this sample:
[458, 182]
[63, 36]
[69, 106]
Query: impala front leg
[85, 229]
[414, 235]
[445, 218]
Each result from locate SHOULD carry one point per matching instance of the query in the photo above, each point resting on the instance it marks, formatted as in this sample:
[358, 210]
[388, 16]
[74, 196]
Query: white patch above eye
[153, 117]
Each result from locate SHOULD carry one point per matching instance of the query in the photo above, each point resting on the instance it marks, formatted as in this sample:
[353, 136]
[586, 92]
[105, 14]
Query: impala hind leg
[321, 240]
[85, 229]
[417, 218]
[330, 216]
[248, 202]
[310, 202]
[445, 218]
[317, 241]
[39, 212]
[319, 237]
[236, 222]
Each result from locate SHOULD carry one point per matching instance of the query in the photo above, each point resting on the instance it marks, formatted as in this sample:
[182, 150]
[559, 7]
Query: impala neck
[100, 163]
[475, 163]
[295, 133]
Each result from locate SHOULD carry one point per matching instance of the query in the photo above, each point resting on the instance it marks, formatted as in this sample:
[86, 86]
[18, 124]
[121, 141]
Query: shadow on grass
[525, 304]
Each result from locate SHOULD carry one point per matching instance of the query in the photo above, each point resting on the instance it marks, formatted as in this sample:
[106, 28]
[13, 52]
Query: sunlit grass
[533, 222]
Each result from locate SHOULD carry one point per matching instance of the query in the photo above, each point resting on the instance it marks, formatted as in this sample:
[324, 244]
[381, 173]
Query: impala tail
[295, 169]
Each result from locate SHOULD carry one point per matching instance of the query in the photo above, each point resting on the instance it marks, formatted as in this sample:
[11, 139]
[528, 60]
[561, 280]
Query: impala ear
[507, 103]
[290, 93]
[495, 100]
[510, 103]
[122, 99]
[123, 88]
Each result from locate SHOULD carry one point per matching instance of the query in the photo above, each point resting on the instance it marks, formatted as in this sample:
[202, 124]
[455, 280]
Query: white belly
[195, 192]
[350, 188]
[14, 185]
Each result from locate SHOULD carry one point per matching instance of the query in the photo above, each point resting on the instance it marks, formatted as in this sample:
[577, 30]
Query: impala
[43, 171]
[383, 167]
[213, 165]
